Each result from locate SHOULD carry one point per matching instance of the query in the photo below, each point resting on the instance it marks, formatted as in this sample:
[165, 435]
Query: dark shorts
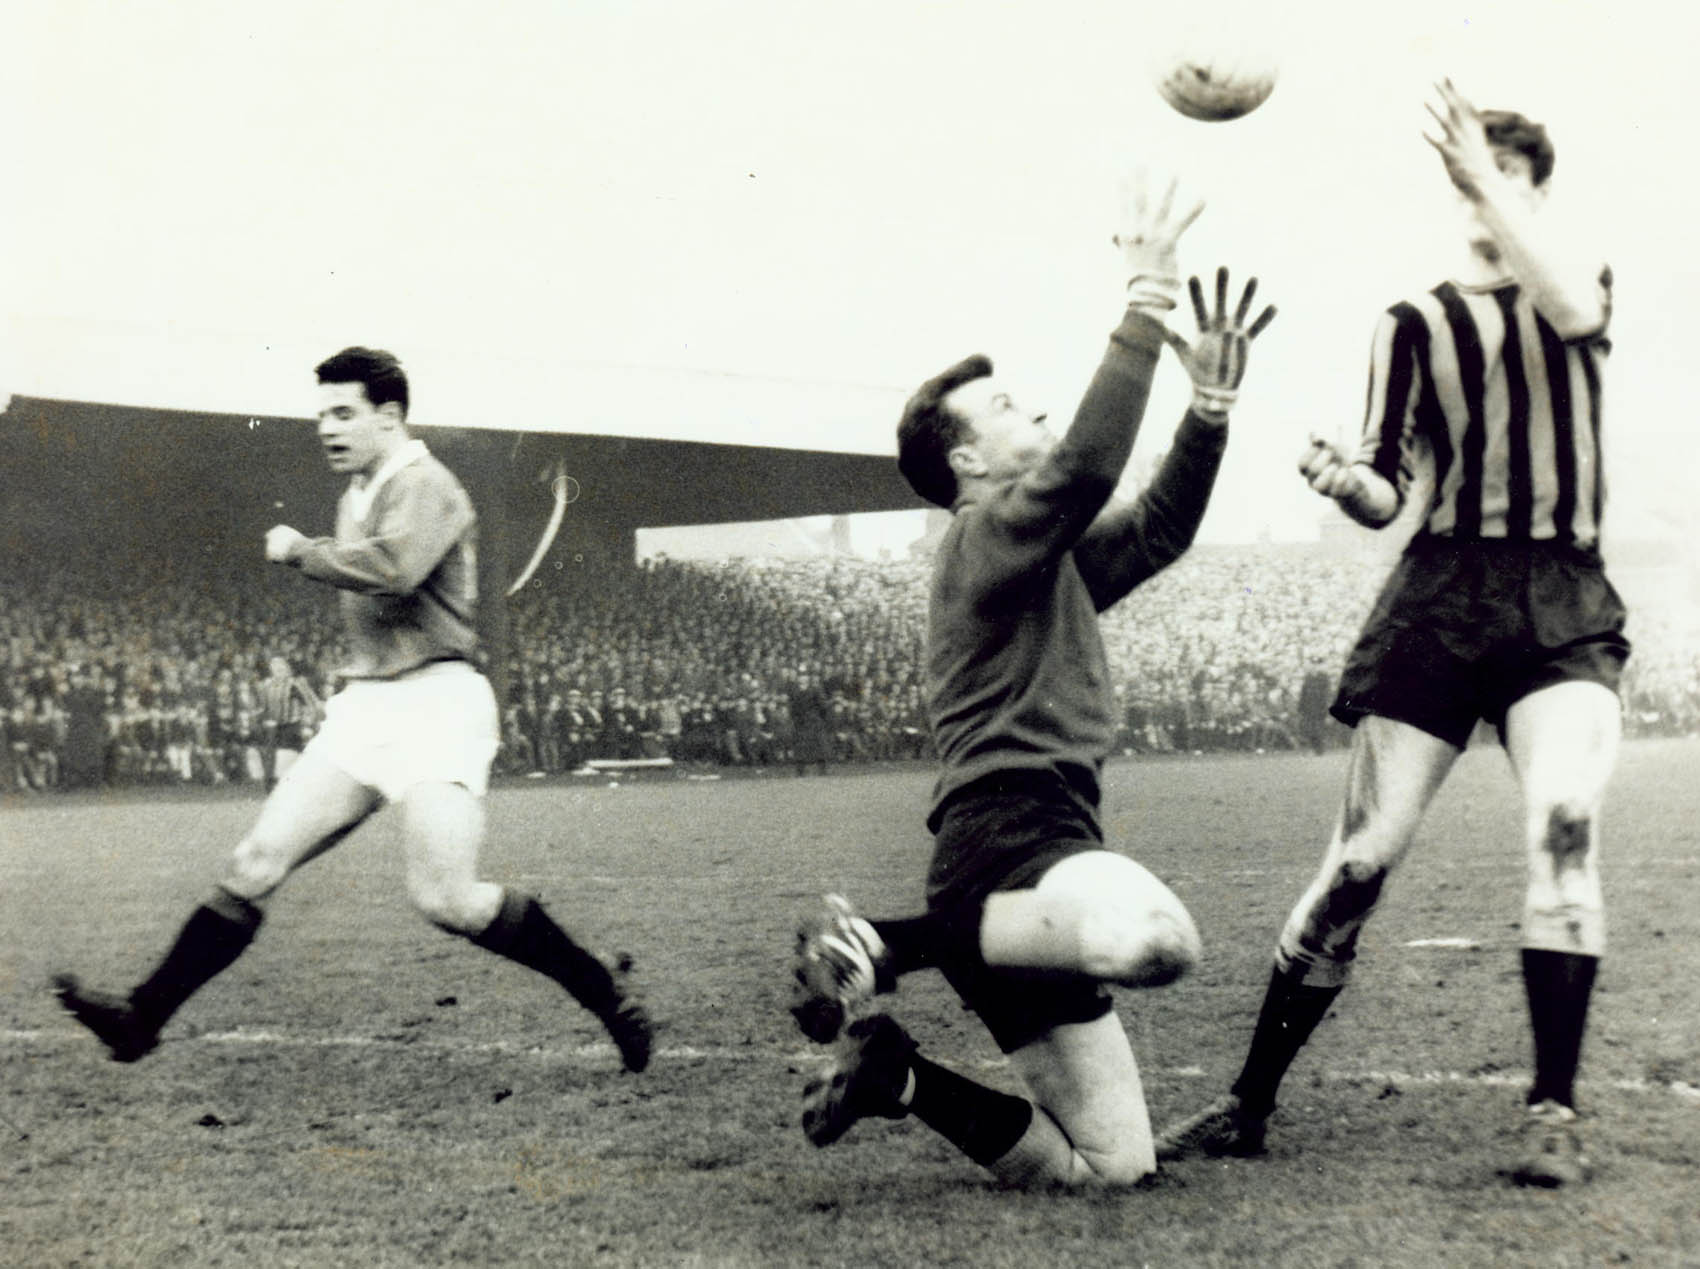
[1464, 630]
[1004, 833]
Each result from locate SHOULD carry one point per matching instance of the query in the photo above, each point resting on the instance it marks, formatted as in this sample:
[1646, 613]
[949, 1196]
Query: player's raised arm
[1035, 498]
[1131, 541]
[1500, 163]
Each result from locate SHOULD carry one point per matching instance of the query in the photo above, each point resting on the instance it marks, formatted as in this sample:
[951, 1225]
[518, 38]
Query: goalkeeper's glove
[1216, 362]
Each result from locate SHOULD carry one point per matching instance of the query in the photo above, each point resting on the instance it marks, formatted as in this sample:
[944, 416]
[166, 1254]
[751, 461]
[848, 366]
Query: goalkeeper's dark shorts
[1463, 630]
[1004, 832]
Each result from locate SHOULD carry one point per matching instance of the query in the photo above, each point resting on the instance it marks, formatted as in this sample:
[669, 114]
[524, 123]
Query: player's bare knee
[446, 907]
[1125, 1167]
[1354, 890]
[256, 869]
[1137, 946]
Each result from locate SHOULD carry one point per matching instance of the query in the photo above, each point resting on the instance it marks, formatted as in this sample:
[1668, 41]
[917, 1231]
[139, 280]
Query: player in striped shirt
[415, 724]
[1498, 610]
[288, 707]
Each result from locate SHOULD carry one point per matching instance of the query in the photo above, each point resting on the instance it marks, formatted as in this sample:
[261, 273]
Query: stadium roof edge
[628, 481]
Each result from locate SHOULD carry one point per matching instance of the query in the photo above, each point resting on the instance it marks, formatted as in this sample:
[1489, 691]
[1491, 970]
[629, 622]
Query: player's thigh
[1563, 742]
[1085, 1077]
[1092, 873]
[1392, 774]
[309, 810]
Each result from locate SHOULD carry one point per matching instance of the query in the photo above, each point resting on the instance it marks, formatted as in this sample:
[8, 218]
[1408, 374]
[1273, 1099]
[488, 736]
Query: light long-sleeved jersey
[405, 561]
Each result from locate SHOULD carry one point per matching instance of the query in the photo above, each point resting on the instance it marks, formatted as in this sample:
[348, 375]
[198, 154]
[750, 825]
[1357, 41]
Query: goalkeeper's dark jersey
[1017, 678]
[1508, 411]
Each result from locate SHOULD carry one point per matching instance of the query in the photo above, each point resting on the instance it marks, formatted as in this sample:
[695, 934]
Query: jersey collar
[362, 494]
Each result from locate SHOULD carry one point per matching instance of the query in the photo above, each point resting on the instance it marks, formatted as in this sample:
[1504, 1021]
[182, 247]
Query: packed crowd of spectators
[785, 664]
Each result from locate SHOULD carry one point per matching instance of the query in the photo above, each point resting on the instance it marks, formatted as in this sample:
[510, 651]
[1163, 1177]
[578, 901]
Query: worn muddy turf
[363, 1090]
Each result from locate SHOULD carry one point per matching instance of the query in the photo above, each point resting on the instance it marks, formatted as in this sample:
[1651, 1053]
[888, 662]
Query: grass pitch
[361, 1089]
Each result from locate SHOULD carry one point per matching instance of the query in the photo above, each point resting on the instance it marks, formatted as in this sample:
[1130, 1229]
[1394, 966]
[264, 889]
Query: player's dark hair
[1511, 131]
[930, 429]
[376, 371]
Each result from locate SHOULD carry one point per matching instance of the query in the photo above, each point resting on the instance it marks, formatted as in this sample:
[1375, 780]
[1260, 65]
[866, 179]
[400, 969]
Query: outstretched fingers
[1245, 302]
[1458, 107]
[1133, 195]
[1240, 310]
[1191, 214]
[1448, 130]
[1221, 321]
[1168, 202]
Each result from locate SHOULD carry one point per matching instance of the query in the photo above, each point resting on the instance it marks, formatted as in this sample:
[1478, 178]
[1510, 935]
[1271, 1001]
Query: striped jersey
[1478, 381]
[287, 701]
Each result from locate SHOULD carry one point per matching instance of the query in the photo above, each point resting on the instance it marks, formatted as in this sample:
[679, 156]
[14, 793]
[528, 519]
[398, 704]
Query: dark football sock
[525, 933]
[942, 937]
[981, 1122]
[215, 934]
[1558, 985]
[1291, 1011]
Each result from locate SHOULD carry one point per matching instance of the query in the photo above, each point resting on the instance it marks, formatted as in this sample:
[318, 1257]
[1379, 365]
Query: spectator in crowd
[811, 724]
[621, 727]
[85, 730]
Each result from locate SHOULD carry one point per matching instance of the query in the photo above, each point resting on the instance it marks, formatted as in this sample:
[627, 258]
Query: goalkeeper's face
[1005, 441]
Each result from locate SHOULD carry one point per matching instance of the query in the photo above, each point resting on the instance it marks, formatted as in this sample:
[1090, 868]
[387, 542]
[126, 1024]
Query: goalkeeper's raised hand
[1216, 360]
[1150, 229]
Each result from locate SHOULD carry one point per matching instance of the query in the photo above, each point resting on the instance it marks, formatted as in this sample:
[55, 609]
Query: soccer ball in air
[1215, 81]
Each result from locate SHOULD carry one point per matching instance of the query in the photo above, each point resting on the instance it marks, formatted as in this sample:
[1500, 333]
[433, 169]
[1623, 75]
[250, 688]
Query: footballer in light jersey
[1028, 913]
[415, 724]
[1498, 610]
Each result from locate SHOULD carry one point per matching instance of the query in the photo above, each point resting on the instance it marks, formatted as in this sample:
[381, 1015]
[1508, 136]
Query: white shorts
[433, 725]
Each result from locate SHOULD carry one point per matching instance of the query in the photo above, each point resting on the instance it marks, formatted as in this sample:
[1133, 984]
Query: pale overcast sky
[747, 221]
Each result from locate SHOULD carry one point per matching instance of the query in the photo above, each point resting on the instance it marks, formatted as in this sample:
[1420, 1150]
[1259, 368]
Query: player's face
[1007, 440]
[356, 435]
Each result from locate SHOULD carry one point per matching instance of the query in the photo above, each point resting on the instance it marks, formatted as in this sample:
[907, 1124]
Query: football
[1215, 85]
